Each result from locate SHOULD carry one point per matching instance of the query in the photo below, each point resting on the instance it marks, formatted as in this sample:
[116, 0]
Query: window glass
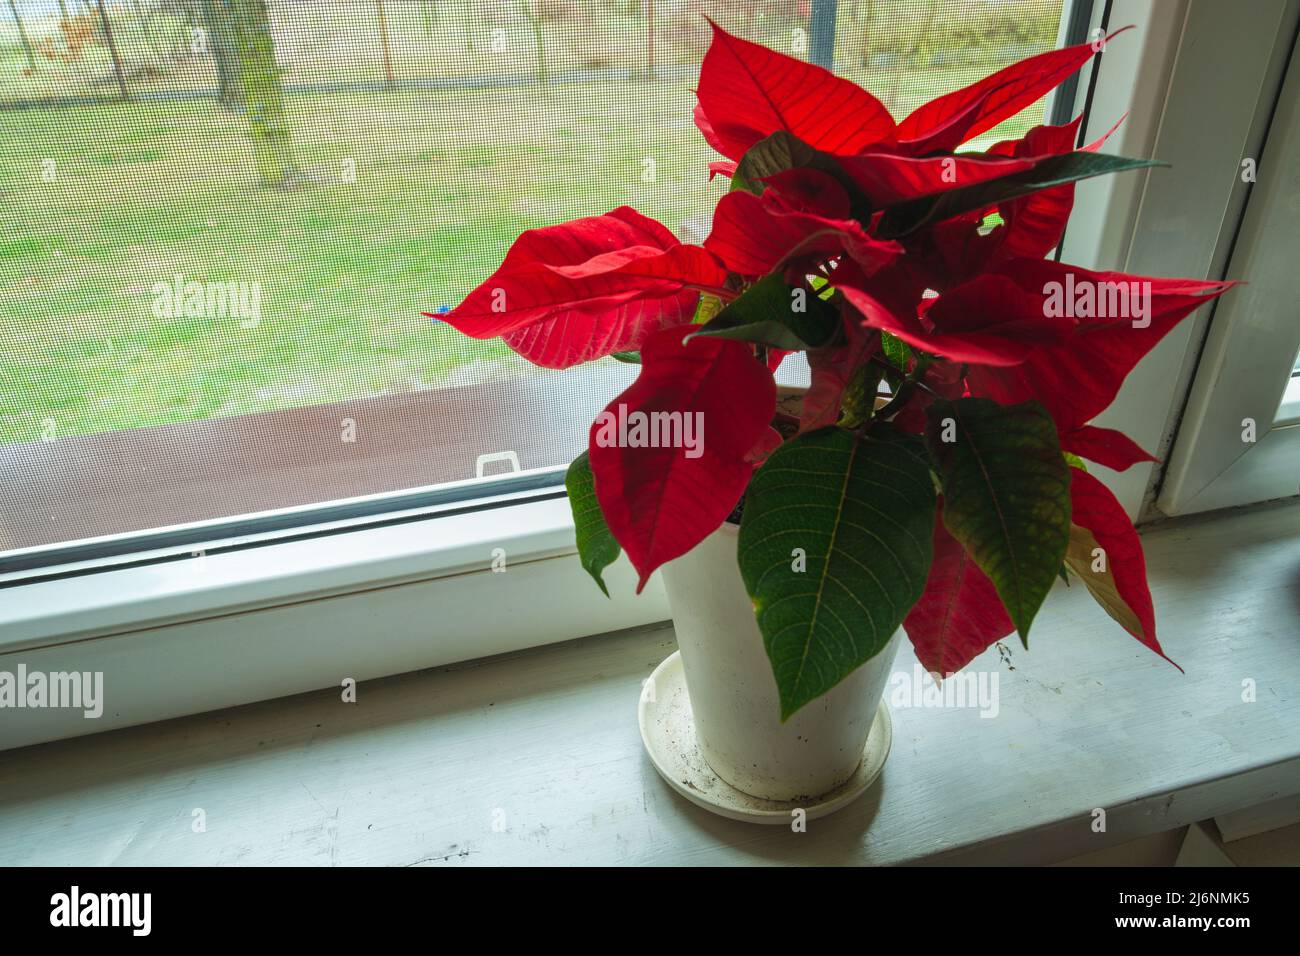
[222, 219]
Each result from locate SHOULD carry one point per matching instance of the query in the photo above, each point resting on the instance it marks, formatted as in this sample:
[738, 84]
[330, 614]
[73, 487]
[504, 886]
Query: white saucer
[668, 733]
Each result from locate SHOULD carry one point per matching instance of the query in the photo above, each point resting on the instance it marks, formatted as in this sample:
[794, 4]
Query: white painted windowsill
[535, 757]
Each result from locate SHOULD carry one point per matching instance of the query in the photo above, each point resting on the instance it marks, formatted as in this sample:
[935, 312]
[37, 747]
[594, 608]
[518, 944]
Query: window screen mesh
[367, 162]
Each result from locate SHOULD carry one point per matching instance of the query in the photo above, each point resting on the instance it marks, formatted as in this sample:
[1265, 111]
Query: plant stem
[910, 385]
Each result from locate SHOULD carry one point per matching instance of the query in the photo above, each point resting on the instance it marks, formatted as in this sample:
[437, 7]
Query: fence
[76, 51]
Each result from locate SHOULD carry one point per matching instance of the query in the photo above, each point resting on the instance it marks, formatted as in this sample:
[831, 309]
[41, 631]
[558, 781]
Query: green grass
[345, 269]
[444, 183]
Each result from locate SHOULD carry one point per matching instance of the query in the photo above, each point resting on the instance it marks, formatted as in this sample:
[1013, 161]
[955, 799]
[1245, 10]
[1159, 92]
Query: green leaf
[782, 151]
[631, 358]
[597, 548]
[859, 398]
[1006, 493]
[898, 352]
[706, 308]
[835, 546]
[912, 214]
[775, 313]
[777, 153]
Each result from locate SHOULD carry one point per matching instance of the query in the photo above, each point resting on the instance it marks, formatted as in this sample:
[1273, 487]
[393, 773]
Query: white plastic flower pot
[734, 697]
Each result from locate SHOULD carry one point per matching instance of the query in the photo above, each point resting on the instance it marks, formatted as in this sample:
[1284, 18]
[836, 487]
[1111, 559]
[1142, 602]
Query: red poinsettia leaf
[722, 167]
[956, 249]
[1095, 508]
[774, 358]
[569, 293]
[1076, 381]
[990, 320]
[952, 133]
[1014, 88]
[596, 310]
[1097, 143]
[831, 370]
[753, 237]
[748, 92]
[1033, 224]
[950, 252]
[706, 129]
[767, 443]
[491, 309]
[1042, 140]
[959, 614]
[1105, 446]
[661, 500]
[887, 179]
[577, 241]
[885, 306]
[806, 190]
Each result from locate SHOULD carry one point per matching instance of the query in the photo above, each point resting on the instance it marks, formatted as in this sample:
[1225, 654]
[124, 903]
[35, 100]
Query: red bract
[1096, 509]
[988, 321]
[661, 499]
[1078, 379]
[1033, 225]
[999, 96]
[886, 179]
[831, 370]
[753, 236]
[748, 92]
[1105, 446]
[960, 615]
[569, 293]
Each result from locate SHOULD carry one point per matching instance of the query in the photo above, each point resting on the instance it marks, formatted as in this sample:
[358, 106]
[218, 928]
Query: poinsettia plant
[934, 476]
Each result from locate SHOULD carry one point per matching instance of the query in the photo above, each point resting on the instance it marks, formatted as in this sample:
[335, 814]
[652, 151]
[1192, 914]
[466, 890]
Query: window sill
[198, 634]
[544, 744]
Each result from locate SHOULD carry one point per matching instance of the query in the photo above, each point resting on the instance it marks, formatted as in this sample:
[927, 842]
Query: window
[222, 221]
[225, 217]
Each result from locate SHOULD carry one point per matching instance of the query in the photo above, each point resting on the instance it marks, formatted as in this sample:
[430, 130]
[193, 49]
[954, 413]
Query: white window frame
[1198, 93]
[1243, 386]
[365, 602]
[225, 628]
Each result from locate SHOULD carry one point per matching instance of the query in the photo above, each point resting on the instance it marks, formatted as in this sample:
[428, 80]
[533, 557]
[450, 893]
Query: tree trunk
[383, 43]
[112, 51]
[22, 35]
[222, 42]
[261, 92]
[539, 39]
